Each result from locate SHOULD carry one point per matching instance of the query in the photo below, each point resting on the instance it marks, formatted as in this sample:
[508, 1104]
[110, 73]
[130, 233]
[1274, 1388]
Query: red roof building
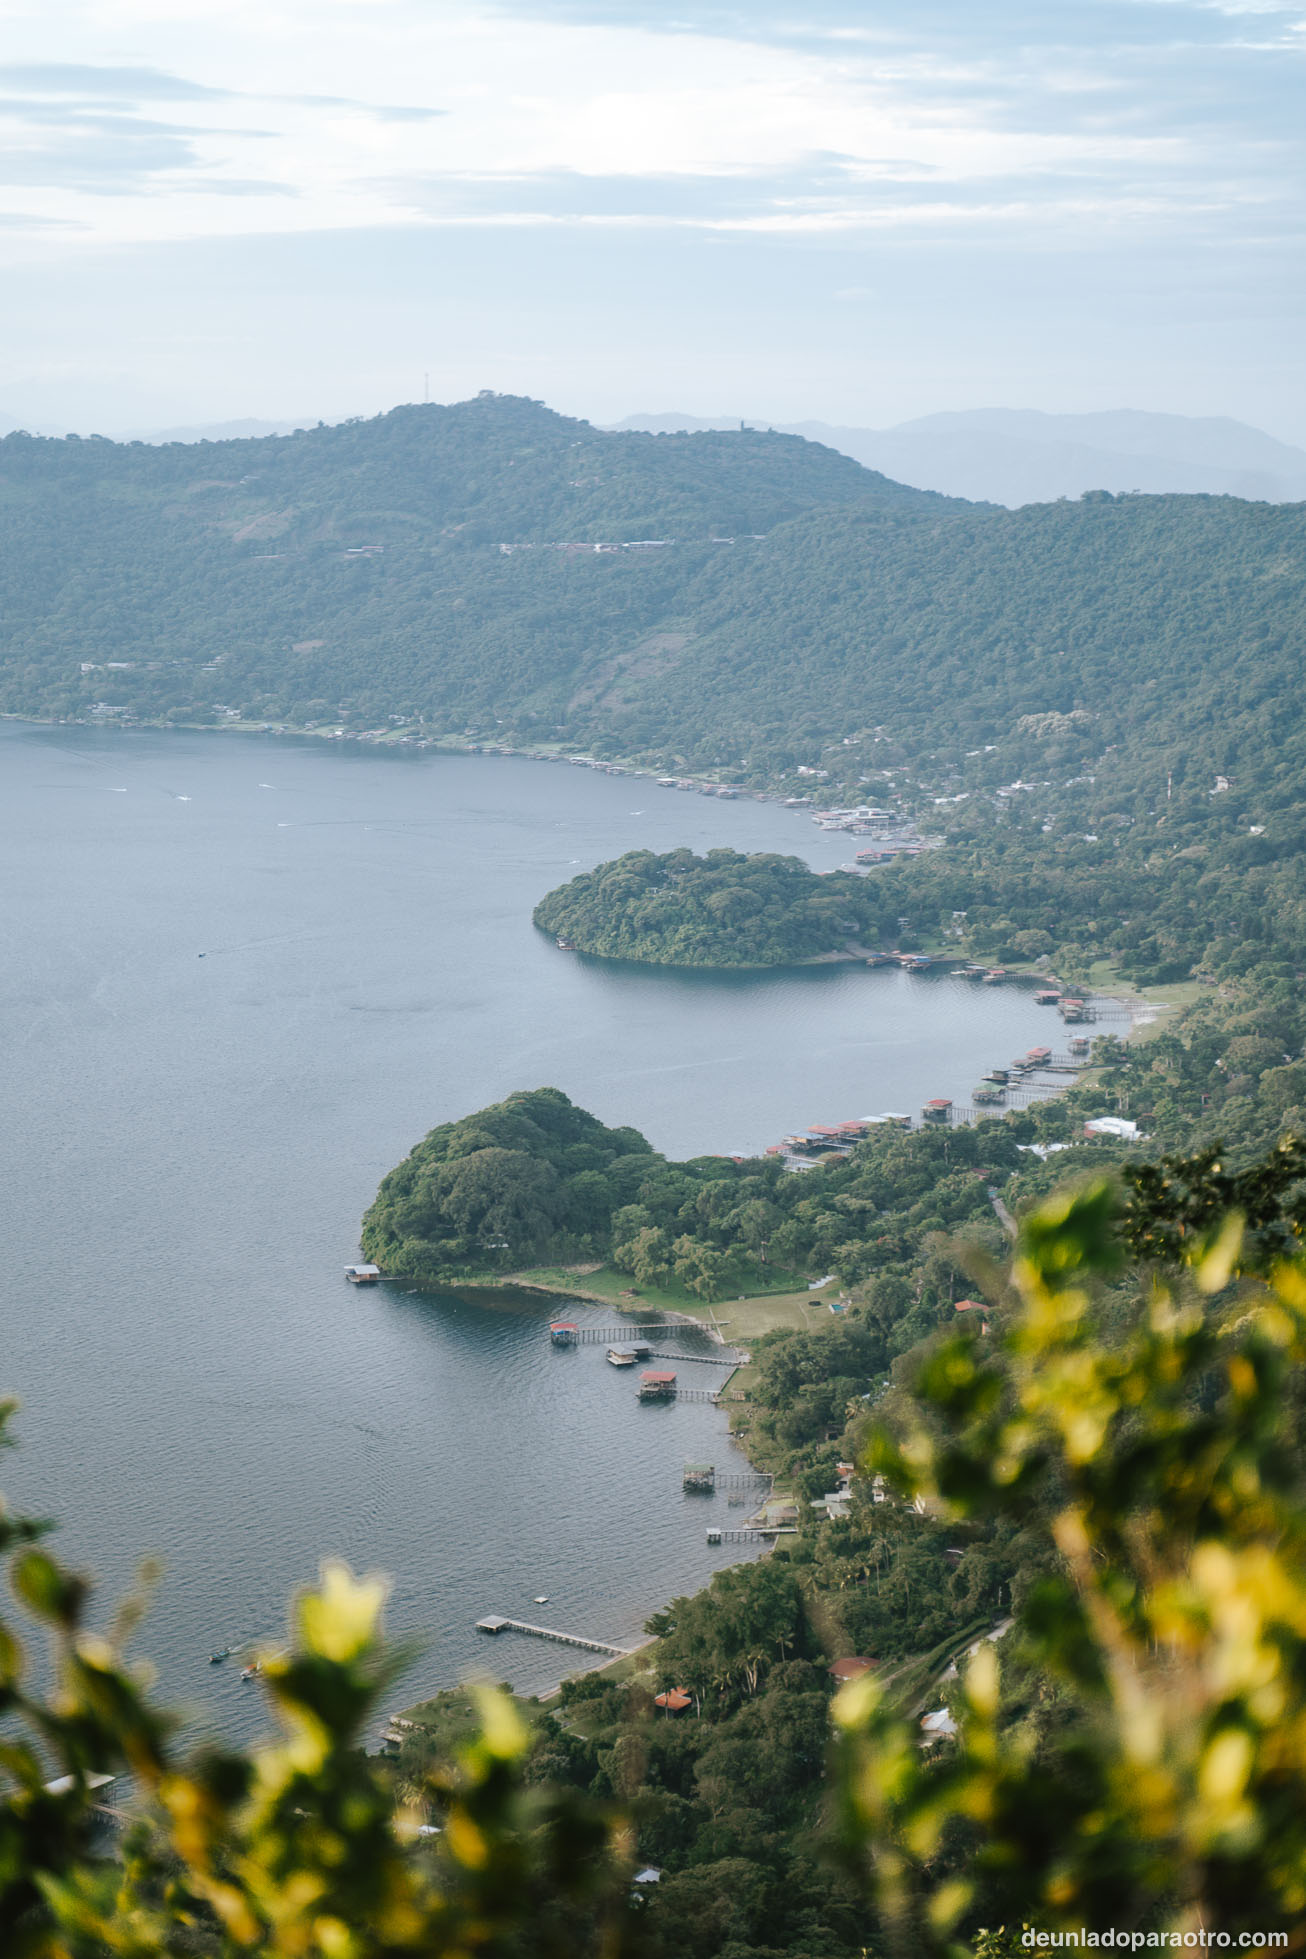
[852, 1668]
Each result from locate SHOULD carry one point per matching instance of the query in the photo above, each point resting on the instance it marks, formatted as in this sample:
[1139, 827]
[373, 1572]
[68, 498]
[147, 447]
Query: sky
[802, 208]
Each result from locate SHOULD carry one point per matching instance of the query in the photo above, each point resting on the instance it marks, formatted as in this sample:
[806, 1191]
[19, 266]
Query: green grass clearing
[609, 1288]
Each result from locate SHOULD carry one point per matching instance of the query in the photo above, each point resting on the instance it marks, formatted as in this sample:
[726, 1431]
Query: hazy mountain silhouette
[1018, 456]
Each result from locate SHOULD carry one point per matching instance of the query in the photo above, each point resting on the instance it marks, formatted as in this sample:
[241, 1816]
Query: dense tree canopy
[724, 909]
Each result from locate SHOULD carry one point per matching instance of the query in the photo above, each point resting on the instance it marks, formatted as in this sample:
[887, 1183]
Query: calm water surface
[190, 1143]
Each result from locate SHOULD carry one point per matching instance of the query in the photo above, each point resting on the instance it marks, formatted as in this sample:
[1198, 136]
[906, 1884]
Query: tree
[645, 1256]
[698, 1266]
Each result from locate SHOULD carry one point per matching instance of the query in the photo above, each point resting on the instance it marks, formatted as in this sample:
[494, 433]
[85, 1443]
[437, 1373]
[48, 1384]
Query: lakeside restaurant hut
[657, 1384]
[563, 1333]
[937, 1109]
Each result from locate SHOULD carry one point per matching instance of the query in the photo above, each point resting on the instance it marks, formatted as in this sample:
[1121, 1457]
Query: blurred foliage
[1136, 1758]
[299, 1846]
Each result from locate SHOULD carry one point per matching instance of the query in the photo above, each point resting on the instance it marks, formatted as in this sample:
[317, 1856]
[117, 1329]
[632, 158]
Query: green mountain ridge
[400, 570]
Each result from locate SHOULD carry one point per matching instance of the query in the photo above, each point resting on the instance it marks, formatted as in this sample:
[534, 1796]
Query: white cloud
[342, 114]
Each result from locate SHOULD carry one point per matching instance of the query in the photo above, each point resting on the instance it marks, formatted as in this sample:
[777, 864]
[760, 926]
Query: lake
[191, 1143]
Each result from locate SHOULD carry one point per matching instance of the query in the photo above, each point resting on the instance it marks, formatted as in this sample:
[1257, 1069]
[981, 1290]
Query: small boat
[541, 1598]
[252, 1672]
[622, 1356]
[566, 945]
[216, 1659]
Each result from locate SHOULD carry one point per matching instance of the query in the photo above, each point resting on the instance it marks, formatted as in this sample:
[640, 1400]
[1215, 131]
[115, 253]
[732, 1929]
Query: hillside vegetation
[355, 573]
[724, 909]
[358, 570]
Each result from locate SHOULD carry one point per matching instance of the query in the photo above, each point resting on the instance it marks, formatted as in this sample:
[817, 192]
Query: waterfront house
[657, 1384]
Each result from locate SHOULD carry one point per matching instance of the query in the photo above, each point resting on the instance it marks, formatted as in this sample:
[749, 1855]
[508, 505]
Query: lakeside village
[1033, 1076]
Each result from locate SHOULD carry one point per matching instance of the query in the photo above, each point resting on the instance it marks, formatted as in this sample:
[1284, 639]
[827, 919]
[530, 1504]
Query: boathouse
[362, 1275]
[937, 1109]
[657, 1384]
[563, 1333]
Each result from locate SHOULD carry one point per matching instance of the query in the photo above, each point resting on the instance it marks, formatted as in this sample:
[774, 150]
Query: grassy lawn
[618, 1289]
[744, 1319]
[451, 1719]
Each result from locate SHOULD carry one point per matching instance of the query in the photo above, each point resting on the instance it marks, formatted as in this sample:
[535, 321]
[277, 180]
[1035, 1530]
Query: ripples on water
[192, 1141]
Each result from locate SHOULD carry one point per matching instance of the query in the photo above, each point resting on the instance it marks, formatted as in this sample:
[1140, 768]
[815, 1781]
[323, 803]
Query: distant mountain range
[1019, 456]
[236, 431]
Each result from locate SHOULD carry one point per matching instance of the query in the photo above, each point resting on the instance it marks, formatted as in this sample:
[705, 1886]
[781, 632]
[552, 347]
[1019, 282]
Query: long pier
[728, 1358]
[717, 1395]
[748, 1534]
[494, 1623]
[613, 1335]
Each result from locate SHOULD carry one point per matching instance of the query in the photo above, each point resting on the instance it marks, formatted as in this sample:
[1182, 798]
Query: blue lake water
[190, 1143]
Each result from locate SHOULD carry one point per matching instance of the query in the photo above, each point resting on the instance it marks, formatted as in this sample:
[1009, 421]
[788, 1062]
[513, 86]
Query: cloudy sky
[856, 211]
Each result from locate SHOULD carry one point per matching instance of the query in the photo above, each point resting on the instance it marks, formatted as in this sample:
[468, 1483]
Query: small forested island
[725, 909]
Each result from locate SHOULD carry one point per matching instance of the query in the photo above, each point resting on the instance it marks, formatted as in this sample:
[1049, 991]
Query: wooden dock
[727, 1358]
[616, 1336]
[703, 1476]
[717, 1395]
[494, 1623]
[749, 1535]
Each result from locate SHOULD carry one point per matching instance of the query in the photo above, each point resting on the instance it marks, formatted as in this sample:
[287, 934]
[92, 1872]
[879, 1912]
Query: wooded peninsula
[725, 909]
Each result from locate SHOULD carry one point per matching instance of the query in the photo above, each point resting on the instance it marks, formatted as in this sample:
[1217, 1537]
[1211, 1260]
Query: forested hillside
[349, 575]
[358, 571]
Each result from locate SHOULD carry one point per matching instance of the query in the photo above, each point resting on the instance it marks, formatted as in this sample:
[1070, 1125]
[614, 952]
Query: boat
[216, 1659]
[566, 945]
[252, 1672]
[541, 1598]
[622, 1356]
